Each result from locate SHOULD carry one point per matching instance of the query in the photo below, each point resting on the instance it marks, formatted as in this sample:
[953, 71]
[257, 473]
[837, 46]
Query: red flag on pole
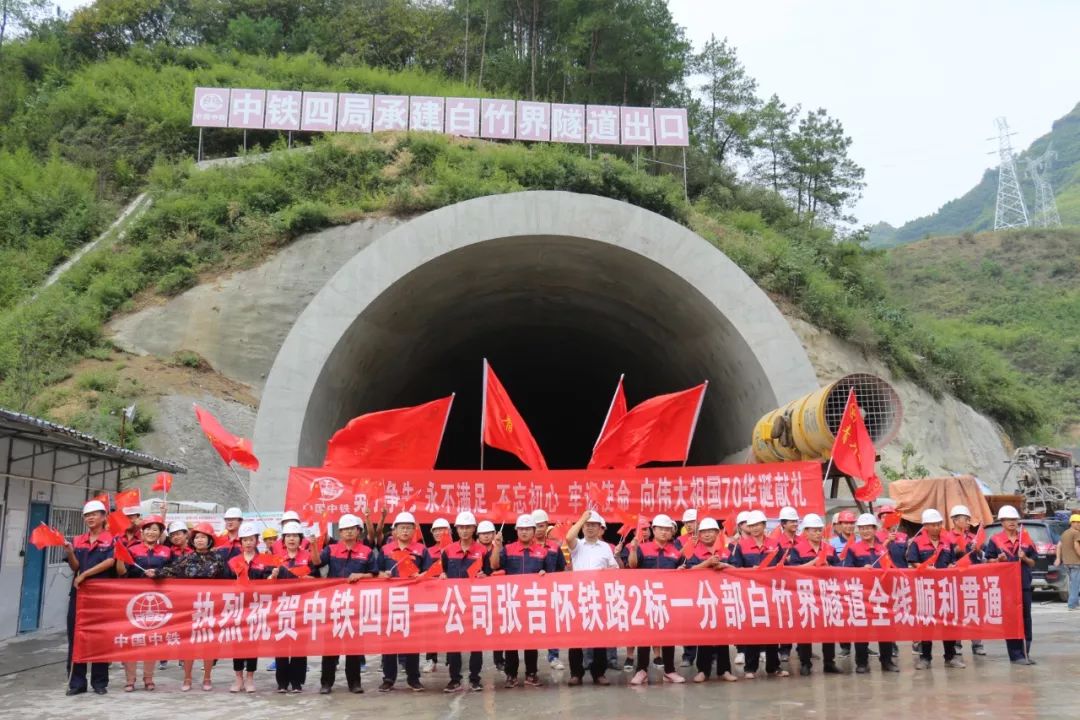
[240, 568]
[474, 568]
[768, 559]
[853, 451]
[118, 523]
[269, 559]
[404, 438]
[658, 429]
[162, 483]
[121, 553]
[230, 447]
[615, 412]
[300, 571]
[503, 427]
[44, 536]
[128, 498]
[964, 561]
[434, 571]
[885, 561]
[930, 561]
[103, 498]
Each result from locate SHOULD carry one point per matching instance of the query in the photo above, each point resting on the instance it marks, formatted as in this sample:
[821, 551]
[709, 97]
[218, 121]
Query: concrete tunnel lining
[561, 292]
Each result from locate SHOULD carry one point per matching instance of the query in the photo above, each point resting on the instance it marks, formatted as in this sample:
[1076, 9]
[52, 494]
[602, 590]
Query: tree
[826, 181]
[728, 102]
[17, 14]
[772, 138]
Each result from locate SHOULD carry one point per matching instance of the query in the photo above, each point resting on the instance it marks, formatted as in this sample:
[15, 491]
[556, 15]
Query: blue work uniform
[457, 562]
[747, 553]
[804, 554]
[863, 554]
[653, 556]
[919, 550]
[341, 562]
[388, 562]
[291, 672]
[518, 559]
[88, 553]
[1001, 549]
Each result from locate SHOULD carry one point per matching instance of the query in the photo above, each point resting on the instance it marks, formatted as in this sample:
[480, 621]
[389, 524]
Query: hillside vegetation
[1017, 292]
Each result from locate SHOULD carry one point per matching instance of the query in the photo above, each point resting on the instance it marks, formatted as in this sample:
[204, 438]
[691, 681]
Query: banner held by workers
[144, 619]
[502, 495]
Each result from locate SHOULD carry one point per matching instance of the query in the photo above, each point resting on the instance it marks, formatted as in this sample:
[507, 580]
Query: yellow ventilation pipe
[805, 428]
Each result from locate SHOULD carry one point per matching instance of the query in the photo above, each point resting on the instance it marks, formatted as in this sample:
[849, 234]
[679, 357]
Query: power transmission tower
[1046, 212]
[1010, 211]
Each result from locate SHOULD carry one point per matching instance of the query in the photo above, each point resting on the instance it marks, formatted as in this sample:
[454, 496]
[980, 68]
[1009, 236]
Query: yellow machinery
[805, 428]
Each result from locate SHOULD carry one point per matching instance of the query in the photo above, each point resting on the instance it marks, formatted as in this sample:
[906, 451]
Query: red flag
[118, 523]
[853, 452]
[474, 568]
[885, 561]
[964, 561]
[432, 572]
[269, 559]
[929, 563]
[502, 425]
[767, 560]
[615, 412]
[128, 498]
[980, 539]
[44, 536]
[222, 540]
[240, 569]
[826, 534]
[777, 533]
[594, 493]
[406, 566]
[689, 542]
[847, 546]
[720, 546]
[300, 571]
[890, 520]
[162, 483]
[557, 532]
[405, 438]
[822, 556]
[446, 540]
[103, 498]
[659, 429]
[121, 553]
[230, 447]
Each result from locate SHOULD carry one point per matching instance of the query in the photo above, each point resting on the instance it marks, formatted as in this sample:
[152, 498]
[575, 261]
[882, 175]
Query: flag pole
[693, 426]
[610, 408]
[483, 411]
[246, 492]
[446, 421]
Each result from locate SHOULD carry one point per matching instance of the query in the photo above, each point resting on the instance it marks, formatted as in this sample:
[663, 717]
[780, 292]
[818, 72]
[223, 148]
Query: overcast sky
[917, 84]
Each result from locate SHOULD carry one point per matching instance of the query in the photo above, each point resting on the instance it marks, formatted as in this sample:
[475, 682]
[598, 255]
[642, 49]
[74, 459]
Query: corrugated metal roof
[34, 428]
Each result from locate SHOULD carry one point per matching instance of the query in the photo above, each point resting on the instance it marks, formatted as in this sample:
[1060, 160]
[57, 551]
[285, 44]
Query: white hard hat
[464, 518]
[234, 513]
[246, 530]
[812, 520]
[741, 517]
[596, 518]
[931, 516]
[290, 515]
[525, 521]
[93, 506]
[177, 526]
[754, 517]
[689, 515]
[1008, 512]
[348, 520]
[485, 526]
[866, 519]
[539, 516]
[663, 520]
[439, 523]
[133, 510]
[708, 524]
[959, 510]
[292, 528]
[407, 518]
[790, 513]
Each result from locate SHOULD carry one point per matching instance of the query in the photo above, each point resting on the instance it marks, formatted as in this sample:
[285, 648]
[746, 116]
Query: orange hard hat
[846, 516]
[153, 520]
[205, 528]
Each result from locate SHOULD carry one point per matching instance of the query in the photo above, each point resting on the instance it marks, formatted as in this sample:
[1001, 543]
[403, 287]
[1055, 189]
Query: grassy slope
[1017, 292]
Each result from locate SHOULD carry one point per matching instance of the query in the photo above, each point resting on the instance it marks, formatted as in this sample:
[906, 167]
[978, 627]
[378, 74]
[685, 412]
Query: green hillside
[1017, 292]
[974, 211]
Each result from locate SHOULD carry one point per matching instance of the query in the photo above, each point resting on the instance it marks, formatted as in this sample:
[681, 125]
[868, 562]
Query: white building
[49, 471]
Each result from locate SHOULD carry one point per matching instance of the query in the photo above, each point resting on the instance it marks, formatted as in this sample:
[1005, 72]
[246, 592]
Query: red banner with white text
[502, 495]
[147, 619]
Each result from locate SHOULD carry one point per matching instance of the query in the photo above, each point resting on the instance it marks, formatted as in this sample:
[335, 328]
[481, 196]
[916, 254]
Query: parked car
[1046, 576]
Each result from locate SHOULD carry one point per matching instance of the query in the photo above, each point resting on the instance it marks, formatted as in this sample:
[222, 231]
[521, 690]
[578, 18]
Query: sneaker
[700, 678]
[363, 668]
[532, 681]
[955, 662]
[844, 652]
[354, 689]
[428, 666]
[628, 666]
[325, 690]
[916, 648]
[890, 667]
[922, 664]
[658, 662]
[674, 677]
[556, 664]
[831, 669]
[861, 669]
[162, 665]
[574, 682]
[640, 678]
[740, 659]
[272, 666]
[475, 686]
[386, 686]
[417, 686]
[297, 691]
[978, 649]
[511, 682]
[452, 687]
[282, 690]
[602, 681]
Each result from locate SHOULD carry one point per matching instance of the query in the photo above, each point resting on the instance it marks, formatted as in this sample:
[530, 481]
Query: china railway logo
[149, 610]
[330, 488]
[211, 103]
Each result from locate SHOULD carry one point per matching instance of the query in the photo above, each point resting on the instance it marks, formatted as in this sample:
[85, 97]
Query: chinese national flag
[853, 452]
[474, 568]
[503, 427]
[885, 561]
[822, 558]
[406, 566]
[932, 560]
[964, 561]
[615, 412]
[980, 539]
[240, 568]
[230, 447]
[300, 571]
[162, 483]
[103, 498]
[434, 571]
[689, 544]
[658, 429]
[118, 523]
[128, 498]
[269, 559]
[767, 561]
[121, 553]
[890, 521]
[403, 439]
[44, 536]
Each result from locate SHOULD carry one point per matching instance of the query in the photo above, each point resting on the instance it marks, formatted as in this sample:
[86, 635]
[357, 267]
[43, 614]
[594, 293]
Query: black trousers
[828, 653]
[99, 672]
[512, 662]
[1018, 648]
[752, 653]
[596, 669]
[667, 654]
[707, 654]
[242, 664]
[476, 664]
[329, 670]
[412, 667]
[926, 650]
[498, 657]
[862, 653]
[290, 672]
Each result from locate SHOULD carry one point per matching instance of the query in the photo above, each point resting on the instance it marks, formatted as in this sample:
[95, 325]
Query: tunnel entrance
[561, 293]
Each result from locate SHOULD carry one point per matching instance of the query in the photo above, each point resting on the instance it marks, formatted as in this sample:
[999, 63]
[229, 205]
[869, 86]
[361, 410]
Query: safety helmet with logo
[464, 519]
[153, 520]
[789, 513]
[866, 519]
[442, 523]
[689, 515]
[539, 516]
[292, 528]
[1008, 512]
[813, 520]
[755, 517]
[959, 510]
[93, 506]
[485, 526]
[931, 516]
[525, 520]
[708, 524]
[595, 517]
[663, 520]
[348, 520]
[234, 513]
[406, 518]
[247, 529]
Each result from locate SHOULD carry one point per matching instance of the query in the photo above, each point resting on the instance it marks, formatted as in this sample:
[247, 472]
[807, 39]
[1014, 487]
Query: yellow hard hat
[1075, 518]
[269, 533]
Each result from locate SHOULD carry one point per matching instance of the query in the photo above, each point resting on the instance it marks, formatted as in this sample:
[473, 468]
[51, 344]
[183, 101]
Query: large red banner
[147, 619]
[501, 496]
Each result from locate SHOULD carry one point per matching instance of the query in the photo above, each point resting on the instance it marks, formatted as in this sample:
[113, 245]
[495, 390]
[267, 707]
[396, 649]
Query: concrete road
[32, 686]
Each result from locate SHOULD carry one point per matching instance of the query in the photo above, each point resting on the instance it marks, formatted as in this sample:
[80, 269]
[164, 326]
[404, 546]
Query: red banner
[502, 495]
[147, 619]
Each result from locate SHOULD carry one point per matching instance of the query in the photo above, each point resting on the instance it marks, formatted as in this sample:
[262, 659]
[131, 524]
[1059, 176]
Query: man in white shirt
[592, 553]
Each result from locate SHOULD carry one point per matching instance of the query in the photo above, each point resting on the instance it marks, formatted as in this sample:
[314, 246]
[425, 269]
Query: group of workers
[364, 549]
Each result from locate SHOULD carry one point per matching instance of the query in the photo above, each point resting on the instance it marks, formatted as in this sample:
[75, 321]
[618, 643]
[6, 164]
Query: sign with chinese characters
[502, 495]
[120, 620]
[496, 119]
